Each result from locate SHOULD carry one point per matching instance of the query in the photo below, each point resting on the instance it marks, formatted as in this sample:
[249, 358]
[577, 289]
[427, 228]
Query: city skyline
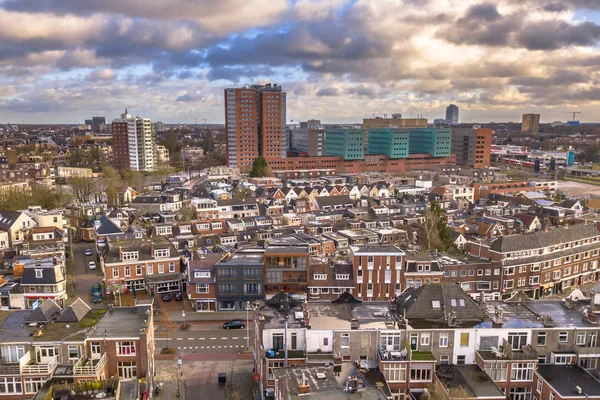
[339, 61]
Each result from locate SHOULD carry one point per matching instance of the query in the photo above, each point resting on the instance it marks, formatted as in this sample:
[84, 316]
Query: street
[83, 277]
[204, 341]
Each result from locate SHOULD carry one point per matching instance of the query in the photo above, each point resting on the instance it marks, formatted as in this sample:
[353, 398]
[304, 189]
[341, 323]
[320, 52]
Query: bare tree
[83, 188]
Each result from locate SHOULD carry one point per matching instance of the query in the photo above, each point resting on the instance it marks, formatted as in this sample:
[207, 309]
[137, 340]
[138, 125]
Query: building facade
[472, 147]
[133, 143]
[388, 141]
[530, 123]
[345, 143]
[436, 142]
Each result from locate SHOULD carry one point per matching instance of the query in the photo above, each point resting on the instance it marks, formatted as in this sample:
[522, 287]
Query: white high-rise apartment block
[141, 142]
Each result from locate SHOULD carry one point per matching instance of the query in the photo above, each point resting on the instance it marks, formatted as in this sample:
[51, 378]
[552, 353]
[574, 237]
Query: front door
[413, 341]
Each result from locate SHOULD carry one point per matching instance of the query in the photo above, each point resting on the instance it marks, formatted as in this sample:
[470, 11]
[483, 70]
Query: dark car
[234, 324]
[97, 293]
[166, 297]
[178, 296]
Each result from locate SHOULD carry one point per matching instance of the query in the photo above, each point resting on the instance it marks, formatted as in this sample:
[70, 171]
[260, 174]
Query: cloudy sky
[340, 61]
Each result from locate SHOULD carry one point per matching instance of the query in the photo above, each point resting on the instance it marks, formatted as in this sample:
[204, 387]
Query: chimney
[303, 386]
[121, 253]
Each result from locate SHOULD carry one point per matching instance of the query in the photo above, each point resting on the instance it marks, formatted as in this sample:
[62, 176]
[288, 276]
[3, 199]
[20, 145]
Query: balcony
[33, 368]
[88, 367]
[359, 279]
[9, 369]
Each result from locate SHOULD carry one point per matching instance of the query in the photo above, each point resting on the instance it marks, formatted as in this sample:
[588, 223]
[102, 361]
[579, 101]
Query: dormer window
[202, 274]
[161, 253]
[130, 255]
[39, 273]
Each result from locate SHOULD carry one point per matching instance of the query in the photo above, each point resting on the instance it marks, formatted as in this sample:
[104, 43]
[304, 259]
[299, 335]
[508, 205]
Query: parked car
[166, 297]
[234, 324]
[92, 265]
[97, 293]
[88, 252]
[178, 296]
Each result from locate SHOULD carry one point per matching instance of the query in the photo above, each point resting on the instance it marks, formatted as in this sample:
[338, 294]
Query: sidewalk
[241, 382]
[166, 373]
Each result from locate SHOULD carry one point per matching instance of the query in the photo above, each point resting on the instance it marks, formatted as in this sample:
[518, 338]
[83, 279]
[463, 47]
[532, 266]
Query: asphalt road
[213, 341]
[83, 277]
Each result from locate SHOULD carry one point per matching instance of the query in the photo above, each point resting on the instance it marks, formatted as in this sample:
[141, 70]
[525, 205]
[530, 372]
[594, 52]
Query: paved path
[83, 277]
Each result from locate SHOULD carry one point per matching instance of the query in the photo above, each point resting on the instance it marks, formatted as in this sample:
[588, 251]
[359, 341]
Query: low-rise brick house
[328, 280]
[151, 264]
[121, 344]
[544, 262]
[202, 286]
[43, 279]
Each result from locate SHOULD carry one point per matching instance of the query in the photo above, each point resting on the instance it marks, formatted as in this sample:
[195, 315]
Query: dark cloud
[329, 92]
[362, 91]
[235, 74]
[559, 78]
[552, 36]
[486, 11]
[482, 25]
[555, 7]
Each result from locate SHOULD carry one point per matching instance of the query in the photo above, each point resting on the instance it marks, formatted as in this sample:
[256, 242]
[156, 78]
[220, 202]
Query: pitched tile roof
[542, 239]
[75, 312]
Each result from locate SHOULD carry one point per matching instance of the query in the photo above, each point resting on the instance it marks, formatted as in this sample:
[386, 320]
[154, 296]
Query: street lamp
[183, 315]
[179, 362]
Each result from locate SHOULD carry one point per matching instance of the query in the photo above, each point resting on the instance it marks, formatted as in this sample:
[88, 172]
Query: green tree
[187, 213]
[260, 168]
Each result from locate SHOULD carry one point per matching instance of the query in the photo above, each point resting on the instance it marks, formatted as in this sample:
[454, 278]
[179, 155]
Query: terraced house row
[435, 334]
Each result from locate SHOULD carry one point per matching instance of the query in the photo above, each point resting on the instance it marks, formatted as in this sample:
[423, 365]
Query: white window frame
[203, 286]
[443, 342]
[126, 348]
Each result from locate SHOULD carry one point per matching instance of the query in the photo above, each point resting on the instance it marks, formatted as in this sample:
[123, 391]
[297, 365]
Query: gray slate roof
[75, 312]
[51, 275]
[417, 304]
[44, 312]
[539, 240]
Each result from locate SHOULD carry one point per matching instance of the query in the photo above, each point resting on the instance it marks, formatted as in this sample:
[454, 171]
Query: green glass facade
[346, 143]
[388, 141]
[434, 141]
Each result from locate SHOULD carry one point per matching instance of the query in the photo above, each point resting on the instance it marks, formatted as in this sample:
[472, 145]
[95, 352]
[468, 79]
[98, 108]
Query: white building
[141, 142]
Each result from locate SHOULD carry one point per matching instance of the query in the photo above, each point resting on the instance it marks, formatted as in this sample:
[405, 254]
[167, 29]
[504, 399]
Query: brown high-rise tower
[255, 118]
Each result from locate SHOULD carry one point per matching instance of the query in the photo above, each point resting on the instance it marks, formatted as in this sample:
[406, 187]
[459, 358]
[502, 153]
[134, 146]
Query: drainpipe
[285, 347]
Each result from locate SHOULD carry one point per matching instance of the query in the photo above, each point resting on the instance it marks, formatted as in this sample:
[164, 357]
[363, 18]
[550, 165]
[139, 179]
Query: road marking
[179, 348]
[231, 347]
[191, 338]
[185, 348]
[246, 337]
[214, 347]
[201, 338]
[213, 338]
[196, 347]
[219, 346]
[235, 337]
[179, 338]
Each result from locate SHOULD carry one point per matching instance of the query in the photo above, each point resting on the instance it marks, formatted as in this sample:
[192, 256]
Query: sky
[62, 61]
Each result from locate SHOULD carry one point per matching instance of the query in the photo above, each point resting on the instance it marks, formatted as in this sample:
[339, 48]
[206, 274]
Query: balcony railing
[40, 368]
[88, 367]
[10, 369]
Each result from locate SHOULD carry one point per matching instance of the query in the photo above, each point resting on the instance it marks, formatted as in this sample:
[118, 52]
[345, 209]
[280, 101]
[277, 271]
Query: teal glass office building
[434, 141]
[391, 142]
[346, 143]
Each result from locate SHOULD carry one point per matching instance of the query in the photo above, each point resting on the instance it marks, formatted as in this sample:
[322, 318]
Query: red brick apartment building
[377, 272]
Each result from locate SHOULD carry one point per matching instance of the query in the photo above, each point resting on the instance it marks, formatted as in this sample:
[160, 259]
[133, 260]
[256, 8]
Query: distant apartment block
[311, 141]
[255, 120]
[530, 123]
[472, 147]
[133, 143]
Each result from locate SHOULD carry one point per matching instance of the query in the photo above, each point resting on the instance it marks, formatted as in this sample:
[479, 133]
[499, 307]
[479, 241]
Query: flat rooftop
[121, 322]
[564, 378]
[470, 377]
[326, 384]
